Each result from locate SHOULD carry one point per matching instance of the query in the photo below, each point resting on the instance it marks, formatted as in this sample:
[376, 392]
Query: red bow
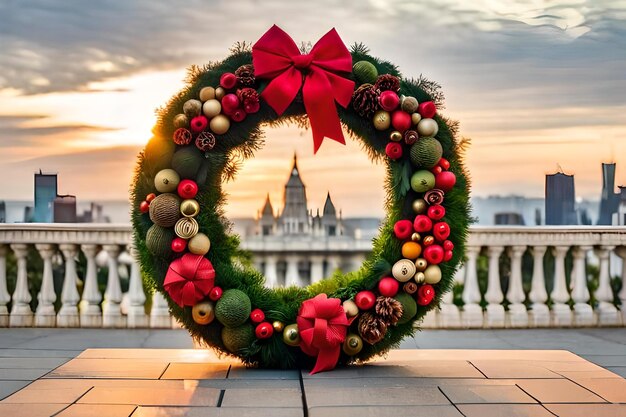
[189, 279]
[323, 326]
[275, 56]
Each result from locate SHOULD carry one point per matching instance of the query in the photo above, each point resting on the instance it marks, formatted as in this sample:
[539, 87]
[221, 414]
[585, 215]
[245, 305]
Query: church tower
[294, 218]
[267, 222]
[329, 218]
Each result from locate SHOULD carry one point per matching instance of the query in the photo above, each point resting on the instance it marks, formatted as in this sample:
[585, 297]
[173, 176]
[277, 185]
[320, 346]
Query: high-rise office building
[609, 200]
[560, 199]
[45, 193]
[65, 209]
[3, 212]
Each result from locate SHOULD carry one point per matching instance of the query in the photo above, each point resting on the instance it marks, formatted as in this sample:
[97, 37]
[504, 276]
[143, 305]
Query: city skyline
[524, 85]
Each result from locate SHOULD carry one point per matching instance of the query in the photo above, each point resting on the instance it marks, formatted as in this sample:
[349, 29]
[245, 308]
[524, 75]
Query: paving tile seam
[164, 370]
[448, 398]
[478, 369]
[587, 389]
[305, 406]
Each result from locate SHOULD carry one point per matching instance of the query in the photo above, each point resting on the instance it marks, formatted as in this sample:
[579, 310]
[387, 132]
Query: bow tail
[320, 106]
[326, 359]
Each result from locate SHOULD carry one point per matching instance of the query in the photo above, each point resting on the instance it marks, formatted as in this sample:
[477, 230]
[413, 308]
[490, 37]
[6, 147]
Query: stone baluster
[292, 276]
[583, 313]
[271, 272]
[317, 268]
[539, 314]
[561, 312]
[332, 264]
[449, 314]
[472, 314]
[619, 251]
[68, 314]
[21, 314]
[46, 316]
[607, 312]
[111, 311]
[137, 298]
[517, 315]
[90, 312]
[159, 314]
[5, 297]
[495, 310]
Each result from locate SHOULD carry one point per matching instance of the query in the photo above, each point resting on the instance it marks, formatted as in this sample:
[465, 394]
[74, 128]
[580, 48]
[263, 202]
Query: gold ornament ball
[291, 335]
[395, 136]
[211, 108]
[427, 127]
[409, 104]
[192, 108]
[219, 124]
[278, 326]
[186, 227]
[432, 274]
[180, 120]
[403, 270]
[420, 206]
[166, 180]
[220, 93]
[382, 120]
[353, 344]
[207, 93]
[203, 313]
[415, 118]
[421, 264]
[350, 308]
[189, 208]
[199, 244]
[420, 277]
[415, 237]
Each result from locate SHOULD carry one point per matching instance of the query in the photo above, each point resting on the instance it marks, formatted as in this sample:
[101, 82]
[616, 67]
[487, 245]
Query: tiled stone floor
[428, 383]
[506, 379]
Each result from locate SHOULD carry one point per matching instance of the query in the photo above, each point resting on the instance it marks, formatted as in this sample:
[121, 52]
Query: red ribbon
[323, 325]
[189, 279]
[275, 56]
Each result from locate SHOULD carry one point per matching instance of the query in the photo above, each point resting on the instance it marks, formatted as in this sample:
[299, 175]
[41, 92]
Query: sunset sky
[533, 83]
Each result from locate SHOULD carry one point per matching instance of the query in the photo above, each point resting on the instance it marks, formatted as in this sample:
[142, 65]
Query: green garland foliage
[239, 143]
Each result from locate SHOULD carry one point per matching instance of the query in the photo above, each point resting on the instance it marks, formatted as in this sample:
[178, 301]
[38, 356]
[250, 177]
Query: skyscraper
[560, 199]
[609, 200]
[65, 209]
[45, 193]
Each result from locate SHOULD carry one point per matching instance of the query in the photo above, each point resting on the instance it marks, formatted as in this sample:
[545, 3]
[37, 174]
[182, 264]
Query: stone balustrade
[512, 276]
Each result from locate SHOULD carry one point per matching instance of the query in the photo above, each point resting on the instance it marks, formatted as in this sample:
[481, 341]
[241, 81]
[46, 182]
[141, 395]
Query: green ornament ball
[237, 338]
[158, 155]
[422, 181]
[426, 153]
[233, 308]
[165, 210]
[159, 241]
[187, 162]
[409, 307]
[365, 72]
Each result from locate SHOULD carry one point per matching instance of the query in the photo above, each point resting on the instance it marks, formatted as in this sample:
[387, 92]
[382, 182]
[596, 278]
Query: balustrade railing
[84, 275]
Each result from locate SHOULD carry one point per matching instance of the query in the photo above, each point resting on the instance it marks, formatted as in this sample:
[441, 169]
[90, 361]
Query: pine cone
[249, 99]
[205, 141]
[388, 309]
[365, 100]
[371, 328]
[245, 75]
[388, 82]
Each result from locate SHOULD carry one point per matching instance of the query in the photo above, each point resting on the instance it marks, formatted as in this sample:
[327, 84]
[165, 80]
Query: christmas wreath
[182, 235]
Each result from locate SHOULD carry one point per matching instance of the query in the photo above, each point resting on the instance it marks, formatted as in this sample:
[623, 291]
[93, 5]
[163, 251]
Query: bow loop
[319, 73]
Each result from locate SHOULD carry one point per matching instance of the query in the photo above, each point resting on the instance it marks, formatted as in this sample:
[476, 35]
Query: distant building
[3, 212]
[65, 209]
[619, 217]
[560, 199]
[45, 193]
[609, 200]
[509, 219]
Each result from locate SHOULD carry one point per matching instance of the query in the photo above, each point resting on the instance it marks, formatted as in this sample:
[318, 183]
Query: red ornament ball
[179, 244]
[216, 293]
[436, 212]
[447, 255]
[441, 231]
[199, 123]
[230, 103]
[144, 206]
[445, 181]
[436, 170]
[433, 254]
[448, 245]
[422, 223]
[365, 300]
[389, 100]
[444, 164]
[425, 294]
[228, 80]
[182, 136]
[187, 189]
[393, 150]
[403, 229]
[257, 315]
[401, 121]
[150, 197]
[238, 115]
[388, 286]
[264, 330]
[427, 109]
